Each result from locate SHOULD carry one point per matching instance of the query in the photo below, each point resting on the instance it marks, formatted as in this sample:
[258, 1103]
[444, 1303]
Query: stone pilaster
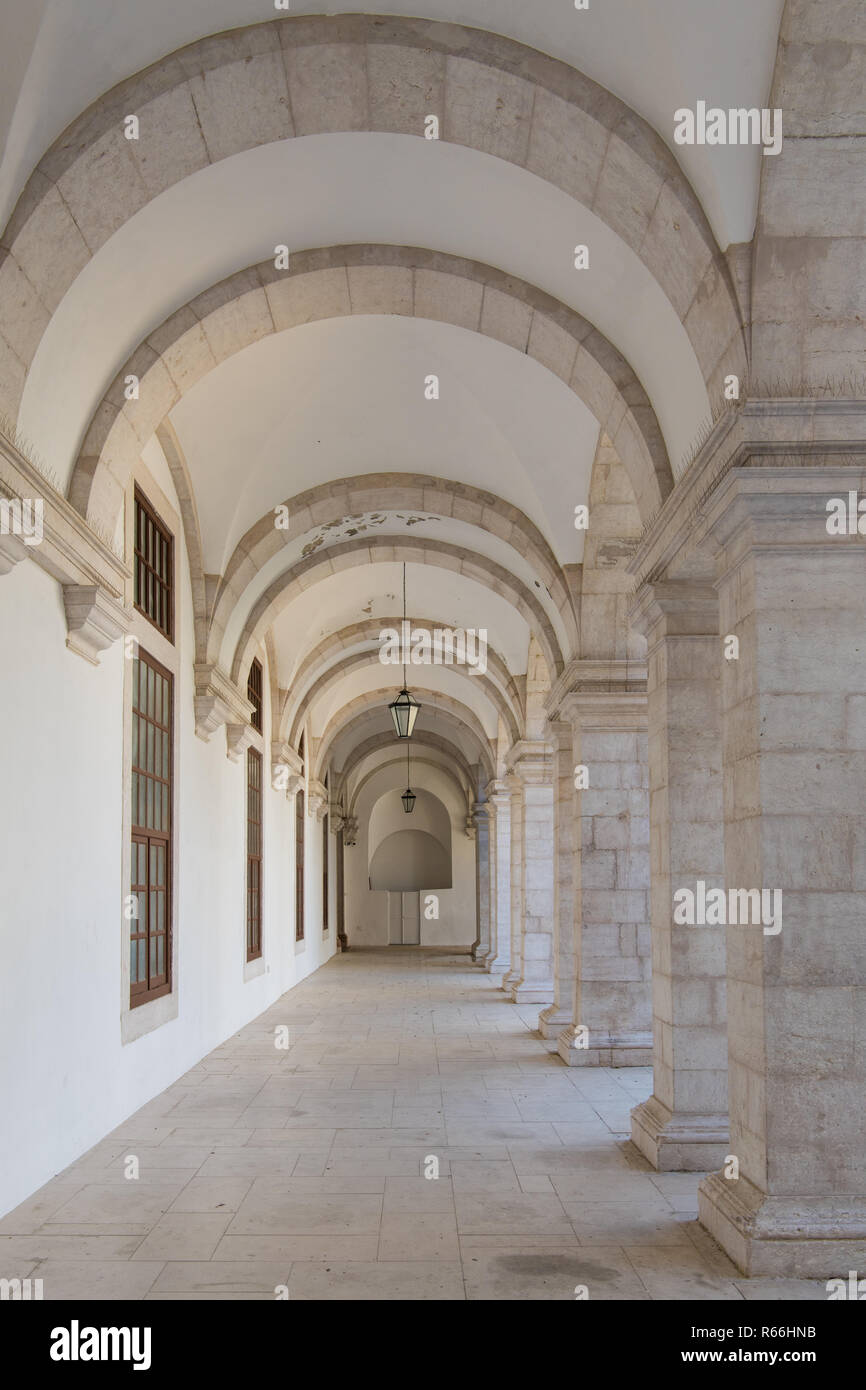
[481, 944]
[498, 805]
[533, 849]
[684, 1124]
[794, 721]
[560, 1014]
[606, 704]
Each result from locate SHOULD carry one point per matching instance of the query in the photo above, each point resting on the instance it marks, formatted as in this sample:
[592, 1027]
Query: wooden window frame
[255, 693]
[141, 502]
[300, 816]
[143, 992]
[325, 883]
[255, 802]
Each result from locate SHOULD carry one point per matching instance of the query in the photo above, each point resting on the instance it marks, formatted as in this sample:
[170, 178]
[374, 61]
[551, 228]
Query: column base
[679, 1143]
[793, 1237]
[577, 1049]
[532, 991]
[480, 953]
[509, 978]
[552, 1021]
[493, 964]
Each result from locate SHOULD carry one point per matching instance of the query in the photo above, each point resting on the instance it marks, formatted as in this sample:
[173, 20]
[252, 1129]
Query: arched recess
[348, 553]
[209, 101]
[409, 860]
[336, 673]
[321, 661]
[342, 280]
[387, 816]
[370, 709]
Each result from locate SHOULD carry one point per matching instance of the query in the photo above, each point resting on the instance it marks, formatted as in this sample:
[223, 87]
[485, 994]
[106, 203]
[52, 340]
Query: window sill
[145, 1018]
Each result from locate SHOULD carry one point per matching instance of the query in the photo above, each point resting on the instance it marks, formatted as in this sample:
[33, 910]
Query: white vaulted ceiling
[656, 57]
[345, 396]
[340, 396]
[332, 190]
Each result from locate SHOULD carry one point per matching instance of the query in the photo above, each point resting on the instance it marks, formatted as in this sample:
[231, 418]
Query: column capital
[497, 794]
[530, 762]
[606, 693]
[787, 448]
[680, 607]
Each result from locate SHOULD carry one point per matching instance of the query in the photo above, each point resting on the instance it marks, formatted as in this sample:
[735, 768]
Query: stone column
[684, 1124]
[533, 849]
[612, 1019]
[481, 945]
[515, 873]
[794, 716]
[498, 804]
[559, 1014]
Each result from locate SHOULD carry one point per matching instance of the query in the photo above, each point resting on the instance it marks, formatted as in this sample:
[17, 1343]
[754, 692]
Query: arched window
[325, 866]
[254, 820]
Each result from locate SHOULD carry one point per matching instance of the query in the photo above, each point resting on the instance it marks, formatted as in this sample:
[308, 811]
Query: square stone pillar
[533, 848]
[684, 1124]
[794, 716]
[515, 871]
[481, 945]
[559, 1014]
[498, 810]
[612, 1020]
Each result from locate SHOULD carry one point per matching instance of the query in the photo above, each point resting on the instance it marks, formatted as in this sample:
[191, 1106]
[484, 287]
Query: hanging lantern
[404, 712]
[408, 799]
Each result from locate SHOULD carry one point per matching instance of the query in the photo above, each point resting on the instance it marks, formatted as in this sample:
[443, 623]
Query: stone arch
[318, 508]
[448, 773]
[474, 566]
[204, 103]
[325, 673]
[358, 711]
[334, 282]
[422, 737]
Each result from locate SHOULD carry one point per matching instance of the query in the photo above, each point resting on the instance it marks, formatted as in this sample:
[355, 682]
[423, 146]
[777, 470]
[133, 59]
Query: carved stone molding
[94, 620]
[12, 552]
[239, 737]
[318, 799]
[350, 830]
[336, 819]
[92, 576]
[218, 701]
[287, 768]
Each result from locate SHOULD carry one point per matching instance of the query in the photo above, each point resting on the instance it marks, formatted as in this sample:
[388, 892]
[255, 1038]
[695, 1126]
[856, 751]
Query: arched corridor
[432, 557]
[306, 1166]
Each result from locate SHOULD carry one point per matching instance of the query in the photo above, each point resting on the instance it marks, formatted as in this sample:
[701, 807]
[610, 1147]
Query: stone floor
[265, 1167]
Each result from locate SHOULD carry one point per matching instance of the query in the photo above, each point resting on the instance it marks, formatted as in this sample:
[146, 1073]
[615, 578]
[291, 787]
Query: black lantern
[408, 798]
[404, 712]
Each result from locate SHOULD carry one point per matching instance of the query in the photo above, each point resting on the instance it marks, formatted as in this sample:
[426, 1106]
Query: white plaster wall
[61, 925]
